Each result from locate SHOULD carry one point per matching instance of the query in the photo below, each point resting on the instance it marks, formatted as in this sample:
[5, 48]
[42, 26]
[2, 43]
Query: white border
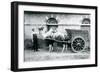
[22, 64]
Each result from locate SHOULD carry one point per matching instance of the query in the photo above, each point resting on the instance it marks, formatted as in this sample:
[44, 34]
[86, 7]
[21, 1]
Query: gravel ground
[44, 55]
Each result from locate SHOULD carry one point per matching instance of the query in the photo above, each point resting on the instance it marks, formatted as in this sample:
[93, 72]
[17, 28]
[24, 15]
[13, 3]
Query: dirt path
[30, 55]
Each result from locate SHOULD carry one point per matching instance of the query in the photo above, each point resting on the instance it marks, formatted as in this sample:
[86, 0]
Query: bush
[28, 44]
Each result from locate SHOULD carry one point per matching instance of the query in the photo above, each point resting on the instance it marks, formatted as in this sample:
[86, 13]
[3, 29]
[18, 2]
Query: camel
[52, 34]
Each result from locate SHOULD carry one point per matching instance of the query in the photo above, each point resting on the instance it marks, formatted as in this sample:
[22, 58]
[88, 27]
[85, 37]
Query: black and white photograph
[56, 36]
[53, 36]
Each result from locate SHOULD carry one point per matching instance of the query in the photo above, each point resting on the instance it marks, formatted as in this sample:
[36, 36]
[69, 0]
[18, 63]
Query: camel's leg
[63, 48]
[50, 47]
[66, 47]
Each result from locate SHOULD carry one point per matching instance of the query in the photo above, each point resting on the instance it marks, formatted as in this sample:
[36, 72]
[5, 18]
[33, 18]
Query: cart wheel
[78, 44]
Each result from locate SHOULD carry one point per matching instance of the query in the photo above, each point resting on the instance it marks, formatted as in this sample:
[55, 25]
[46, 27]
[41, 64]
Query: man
[34, 40]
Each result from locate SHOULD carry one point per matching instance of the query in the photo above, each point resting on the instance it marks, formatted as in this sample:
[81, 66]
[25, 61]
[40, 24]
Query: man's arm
[32, 37]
